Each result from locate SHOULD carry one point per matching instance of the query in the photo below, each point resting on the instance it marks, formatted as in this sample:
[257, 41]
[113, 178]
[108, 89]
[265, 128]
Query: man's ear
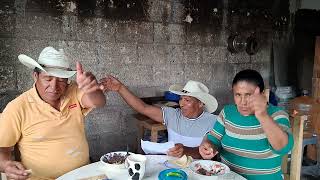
[35, 76]
[201, 105]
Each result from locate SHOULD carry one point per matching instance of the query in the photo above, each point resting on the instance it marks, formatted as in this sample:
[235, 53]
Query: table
[155, 164]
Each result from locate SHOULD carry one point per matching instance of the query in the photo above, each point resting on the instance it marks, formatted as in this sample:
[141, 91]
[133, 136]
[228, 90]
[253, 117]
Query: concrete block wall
[147, 54]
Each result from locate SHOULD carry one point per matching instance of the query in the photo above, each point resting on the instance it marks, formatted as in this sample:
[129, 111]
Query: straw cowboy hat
[51, 61]
[197, 90]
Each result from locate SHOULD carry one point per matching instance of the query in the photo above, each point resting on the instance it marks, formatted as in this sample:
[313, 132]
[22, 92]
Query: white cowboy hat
[197, 90]
[51, 61]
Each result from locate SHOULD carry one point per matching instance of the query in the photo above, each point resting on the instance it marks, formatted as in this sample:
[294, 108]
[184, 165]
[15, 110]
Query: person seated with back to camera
[187, 124]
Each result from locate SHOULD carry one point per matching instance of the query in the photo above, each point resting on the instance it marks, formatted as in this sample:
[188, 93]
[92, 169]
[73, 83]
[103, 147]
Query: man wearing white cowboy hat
[186, 125]
[46, 123]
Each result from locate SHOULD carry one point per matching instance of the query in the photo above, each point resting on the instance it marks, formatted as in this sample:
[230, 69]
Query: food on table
[215, 169]
[115, 158]
[183, 162]
[175, 174]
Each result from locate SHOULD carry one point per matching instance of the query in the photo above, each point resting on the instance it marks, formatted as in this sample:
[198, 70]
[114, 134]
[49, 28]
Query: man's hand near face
[86, 80]
[93, 95]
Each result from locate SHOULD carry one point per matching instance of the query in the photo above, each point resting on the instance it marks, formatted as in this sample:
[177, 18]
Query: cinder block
[82, 29]
[131, 75]
[192, 54]
[39, 27]
[120, 53]
[263, 68]
[220, 71]
[159, 10]
[177, 33]
[149, 91]
[214, 37]
[107, 53]
[8, 54]
[126, 53]
[168, 74]
[138, 75]
[145, 32]
[108, 142]
[104, 122]
[128, 122]
[7, 24]
[7, 78]
[7, 6]
[214, 54]
[6, 97]
[241, 57]
[178, 12]
[194, 34]
[114, 99]
[171, 33]
[106, 31]
[31, 48]
[198, 72]
[126, 31]
[152, 54]
[235, 68]
[84, 52]
[175, 54]
[24, 78]
[223, 95]
[263, 55]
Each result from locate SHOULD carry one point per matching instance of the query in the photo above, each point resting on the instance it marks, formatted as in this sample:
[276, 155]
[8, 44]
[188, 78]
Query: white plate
[207, 164]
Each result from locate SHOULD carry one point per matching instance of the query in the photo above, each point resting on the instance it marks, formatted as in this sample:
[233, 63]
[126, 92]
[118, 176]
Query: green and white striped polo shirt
[243, 145]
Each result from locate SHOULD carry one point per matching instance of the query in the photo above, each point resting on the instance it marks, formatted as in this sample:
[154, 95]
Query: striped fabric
[243, 145]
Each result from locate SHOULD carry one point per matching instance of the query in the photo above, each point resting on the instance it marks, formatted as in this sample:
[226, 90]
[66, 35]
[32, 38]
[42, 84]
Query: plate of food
[207, 168]
[114, 159]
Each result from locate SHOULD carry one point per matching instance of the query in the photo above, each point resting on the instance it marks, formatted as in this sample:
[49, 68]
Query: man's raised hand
[86, 80]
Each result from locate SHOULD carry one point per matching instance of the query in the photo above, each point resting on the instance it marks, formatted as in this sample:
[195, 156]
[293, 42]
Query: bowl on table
[207, 169]
[114, 160]
[172, 174]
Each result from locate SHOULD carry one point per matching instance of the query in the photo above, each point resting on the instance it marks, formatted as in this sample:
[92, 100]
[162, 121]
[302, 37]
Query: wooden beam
[296, 153]
[316, 82]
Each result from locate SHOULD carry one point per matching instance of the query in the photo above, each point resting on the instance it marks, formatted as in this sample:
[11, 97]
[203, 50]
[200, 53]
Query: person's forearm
[96, 98]
[276, 136]
[193, 152]
[5, 155]
[153, 112]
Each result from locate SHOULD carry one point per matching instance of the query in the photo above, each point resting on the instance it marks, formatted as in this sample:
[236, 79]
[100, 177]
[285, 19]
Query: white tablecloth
[155, 164]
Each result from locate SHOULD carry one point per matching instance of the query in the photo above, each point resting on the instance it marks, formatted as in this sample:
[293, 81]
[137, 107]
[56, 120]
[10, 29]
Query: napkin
[156, 148]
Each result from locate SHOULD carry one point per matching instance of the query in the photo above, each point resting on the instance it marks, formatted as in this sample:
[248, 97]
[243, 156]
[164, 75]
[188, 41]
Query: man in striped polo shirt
[250, 135]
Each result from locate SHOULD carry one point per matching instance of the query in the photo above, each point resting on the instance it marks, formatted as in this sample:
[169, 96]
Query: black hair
[250, 76]
[37, 70]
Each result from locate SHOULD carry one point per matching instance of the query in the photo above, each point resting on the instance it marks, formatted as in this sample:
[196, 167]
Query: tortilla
[182, 162]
